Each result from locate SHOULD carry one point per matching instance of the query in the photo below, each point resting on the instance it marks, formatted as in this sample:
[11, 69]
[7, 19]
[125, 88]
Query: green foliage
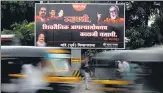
[144, 36]
[159, 23]
[25, 31]
[5, 31]
[16, 11]
[16, 6]
[138, 13]
[137, 29]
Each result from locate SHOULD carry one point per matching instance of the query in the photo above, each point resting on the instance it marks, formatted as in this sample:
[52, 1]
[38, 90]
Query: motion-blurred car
[54, 63]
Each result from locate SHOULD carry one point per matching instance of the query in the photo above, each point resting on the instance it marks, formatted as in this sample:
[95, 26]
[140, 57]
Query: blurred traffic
[34, 69]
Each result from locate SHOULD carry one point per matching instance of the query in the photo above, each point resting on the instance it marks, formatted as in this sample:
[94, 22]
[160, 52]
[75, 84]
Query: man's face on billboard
[113, 13]
[42, 12]
[41, 38]
[52, 12]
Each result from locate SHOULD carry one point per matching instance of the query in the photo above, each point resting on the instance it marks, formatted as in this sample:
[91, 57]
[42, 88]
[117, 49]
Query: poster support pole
[116, 2]
[41, 2]
[76, 53]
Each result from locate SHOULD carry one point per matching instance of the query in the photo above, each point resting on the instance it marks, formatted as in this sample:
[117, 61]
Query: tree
[137, 29]
[25, 31]
[16, 11]
[138, 13]
[159, 23]
[5, 31]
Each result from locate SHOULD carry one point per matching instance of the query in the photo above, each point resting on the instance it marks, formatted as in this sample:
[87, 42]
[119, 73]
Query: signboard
[75, 59]
[80, 25]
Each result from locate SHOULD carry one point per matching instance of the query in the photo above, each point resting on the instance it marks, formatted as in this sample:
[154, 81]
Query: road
[96, 88]
[92, 88]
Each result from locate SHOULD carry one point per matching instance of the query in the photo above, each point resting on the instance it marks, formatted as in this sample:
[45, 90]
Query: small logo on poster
[79, 7]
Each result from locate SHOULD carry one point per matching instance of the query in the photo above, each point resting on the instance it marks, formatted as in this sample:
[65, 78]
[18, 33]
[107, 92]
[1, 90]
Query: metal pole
[116, 2]
[41, 2]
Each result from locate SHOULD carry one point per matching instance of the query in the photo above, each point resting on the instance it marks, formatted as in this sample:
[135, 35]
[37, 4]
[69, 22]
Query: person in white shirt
[120, 69]
[123, 69]
[126, 70]
[41, 40]
[126, 66]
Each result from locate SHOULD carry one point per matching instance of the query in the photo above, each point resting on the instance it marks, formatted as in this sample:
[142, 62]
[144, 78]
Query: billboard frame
[124, 45]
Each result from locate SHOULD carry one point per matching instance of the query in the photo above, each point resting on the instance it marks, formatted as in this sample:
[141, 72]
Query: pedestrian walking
[87, 74]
